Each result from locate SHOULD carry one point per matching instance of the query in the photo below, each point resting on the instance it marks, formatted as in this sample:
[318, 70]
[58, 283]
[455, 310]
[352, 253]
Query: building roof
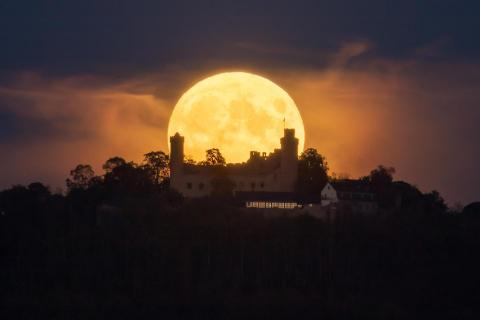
[354, 190]
[353, 186]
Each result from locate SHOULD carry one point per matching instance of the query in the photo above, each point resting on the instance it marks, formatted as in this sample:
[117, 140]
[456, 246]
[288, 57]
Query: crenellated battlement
[275, 172]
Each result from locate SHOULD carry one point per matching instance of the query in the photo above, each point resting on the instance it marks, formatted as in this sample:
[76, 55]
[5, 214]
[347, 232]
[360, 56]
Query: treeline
[123, 245]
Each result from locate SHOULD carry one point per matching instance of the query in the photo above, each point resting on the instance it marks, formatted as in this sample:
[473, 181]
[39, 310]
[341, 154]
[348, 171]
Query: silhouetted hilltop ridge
[124, 244]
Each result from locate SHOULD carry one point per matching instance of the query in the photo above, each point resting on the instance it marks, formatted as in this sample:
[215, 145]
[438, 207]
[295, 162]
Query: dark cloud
[117, 37]
[20, 129]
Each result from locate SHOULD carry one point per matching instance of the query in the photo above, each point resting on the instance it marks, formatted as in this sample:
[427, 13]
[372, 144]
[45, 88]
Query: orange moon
[236, 112]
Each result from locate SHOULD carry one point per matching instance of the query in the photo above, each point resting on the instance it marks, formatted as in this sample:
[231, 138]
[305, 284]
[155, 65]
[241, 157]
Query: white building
[354, 195]
[328, 195]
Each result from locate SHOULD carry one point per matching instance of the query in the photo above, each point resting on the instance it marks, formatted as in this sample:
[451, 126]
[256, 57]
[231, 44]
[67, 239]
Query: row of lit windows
[268, 205]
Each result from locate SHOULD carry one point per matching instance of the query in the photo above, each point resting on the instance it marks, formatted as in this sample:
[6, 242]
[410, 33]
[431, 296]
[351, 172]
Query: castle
[276, 172]
[268, 182]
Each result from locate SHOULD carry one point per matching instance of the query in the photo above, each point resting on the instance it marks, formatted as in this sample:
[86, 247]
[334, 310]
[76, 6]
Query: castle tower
[176, 159]
[289, 159]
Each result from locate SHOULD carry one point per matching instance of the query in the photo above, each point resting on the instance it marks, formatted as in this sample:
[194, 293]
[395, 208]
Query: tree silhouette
[39, 189]
[381, 177]
[312, 172]
[189, 160]
[157, 162]
[80, 177]
[130, 178]
[112, 163]
[435, 201]
[214, 158]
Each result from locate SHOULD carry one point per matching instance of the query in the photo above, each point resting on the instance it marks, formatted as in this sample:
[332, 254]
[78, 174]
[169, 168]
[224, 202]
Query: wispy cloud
[57, 123]
[421, 118]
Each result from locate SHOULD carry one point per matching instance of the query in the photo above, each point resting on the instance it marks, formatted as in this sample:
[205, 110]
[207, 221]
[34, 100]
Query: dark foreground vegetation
[124, 246]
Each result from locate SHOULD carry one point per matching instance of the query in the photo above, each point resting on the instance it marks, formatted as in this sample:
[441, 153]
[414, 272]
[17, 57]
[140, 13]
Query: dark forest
[123, 245]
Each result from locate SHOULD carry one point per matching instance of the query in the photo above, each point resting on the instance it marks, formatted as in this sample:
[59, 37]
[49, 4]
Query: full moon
[236, 112]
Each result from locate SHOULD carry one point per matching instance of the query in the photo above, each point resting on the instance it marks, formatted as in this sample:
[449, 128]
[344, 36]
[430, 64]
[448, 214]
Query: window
[201, 186]
[252, 185]
[189, 185]
[262, 185]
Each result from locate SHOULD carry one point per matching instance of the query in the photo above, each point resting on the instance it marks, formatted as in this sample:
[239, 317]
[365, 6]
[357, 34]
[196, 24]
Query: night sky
[377, 82]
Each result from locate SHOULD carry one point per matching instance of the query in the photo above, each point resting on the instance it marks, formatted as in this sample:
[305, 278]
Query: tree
[80, 177]
[214, 158]
[435, 202]
[39, 189]
[113, 163]
[189, 160]
[381, 182]
[312, 172]
[157, 162]
[381, 177]
[130, 178]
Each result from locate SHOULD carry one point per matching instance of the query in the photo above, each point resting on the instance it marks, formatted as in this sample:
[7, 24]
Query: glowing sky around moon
[236, 112]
